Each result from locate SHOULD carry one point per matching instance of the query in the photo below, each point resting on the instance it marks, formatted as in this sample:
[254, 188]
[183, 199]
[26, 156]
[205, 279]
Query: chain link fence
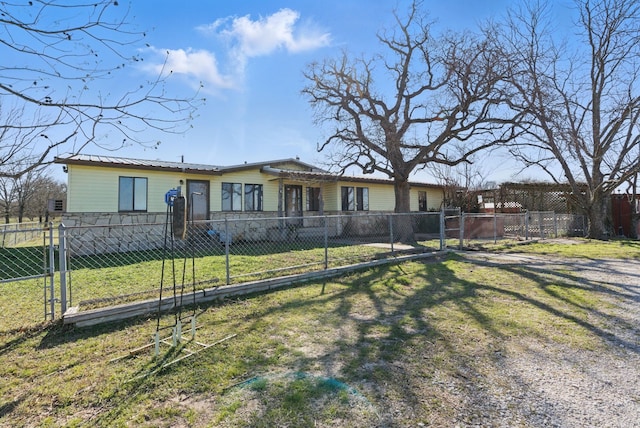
[473, 229]
[118, 263]
[28, 261]
[105, 265]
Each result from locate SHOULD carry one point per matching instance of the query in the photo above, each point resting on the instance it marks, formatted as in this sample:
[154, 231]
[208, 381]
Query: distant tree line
[27, 197]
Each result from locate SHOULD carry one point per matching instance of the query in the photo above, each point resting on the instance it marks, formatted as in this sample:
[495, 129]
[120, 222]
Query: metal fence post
[442, 226]
[226, 249]
[391, 231]
[555, 224]
[62, 266]
[52, 270]
[326, 244]
[526, 225]
[461, 231]
[495, 226]
[541, 221]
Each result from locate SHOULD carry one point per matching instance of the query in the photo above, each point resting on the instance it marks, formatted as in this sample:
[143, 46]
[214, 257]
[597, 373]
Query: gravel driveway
[552, 385]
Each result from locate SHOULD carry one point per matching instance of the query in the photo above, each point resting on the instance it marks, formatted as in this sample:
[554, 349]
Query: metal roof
[119, 162]
[274, 167]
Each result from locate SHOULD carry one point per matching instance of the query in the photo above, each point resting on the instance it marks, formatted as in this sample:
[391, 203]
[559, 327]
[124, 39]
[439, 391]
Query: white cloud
[198, 63]
[245, 39]
[277, 31]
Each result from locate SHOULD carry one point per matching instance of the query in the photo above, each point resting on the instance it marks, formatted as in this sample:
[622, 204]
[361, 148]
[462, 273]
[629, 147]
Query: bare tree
[54, 56]
[44, 189]
[633, 194]
[578, 101]
[25, 188]
[7, 198]
[406, 108]
[462, 182]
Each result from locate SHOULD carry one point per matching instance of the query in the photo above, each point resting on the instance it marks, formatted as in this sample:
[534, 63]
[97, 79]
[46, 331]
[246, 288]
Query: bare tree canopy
[414, 105]
[62, 87]
[578, 100]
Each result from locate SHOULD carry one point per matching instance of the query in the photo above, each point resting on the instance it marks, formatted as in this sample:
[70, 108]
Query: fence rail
[108, 264]
[13, 234]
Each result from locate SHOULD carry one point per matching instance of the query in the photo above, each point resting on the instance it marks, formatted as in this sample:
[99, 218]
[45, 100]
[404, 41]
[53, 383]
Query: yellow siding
[435, 197]
[95, 189]
[381, 196]
[330, 197]
[91, 190]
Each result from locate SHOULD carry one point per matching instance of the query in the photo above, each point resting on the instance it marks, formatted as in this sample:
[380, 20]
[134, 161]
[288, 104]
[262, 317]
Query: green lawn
[377, 347]
[573, 247]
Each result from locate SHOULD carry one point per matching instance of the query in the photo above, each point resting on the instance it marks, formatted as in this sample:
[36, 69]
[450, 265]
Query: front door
[293, 201]
[197, 200]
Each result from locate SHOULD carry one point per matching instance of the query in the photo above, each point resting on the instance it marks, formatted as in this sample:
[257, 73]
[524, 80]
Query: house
[126, 188]
[108, 191]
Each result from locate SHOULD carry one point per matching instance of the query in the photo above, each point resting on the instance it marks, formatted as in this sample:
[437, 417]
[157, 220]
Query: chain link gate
[28, 256]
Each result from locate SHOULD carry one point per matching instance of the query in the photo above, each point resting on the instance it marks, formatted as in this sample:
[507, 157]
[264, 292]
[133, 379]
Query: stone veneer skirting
[100, 233]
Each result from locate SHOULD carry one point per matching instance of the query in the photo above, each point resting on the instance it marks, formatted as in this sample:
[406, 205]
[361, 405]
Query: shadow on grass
[392, 347]
[20, 335]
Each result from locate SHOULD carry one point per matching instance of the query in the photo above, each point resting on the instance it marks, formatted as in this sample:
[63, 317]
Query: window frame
[235, 197]
[253, 197]
[134, 200]
[313, 198]
[354, 198]
[422, 201]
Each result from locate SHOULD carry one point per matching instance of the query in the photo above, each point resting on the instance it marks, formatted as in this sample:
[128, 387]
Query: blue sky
[250, 56]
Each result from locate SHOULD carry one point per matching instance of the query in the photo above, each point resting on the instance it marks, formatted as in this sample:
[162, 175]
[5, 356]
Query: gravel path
[551, 385]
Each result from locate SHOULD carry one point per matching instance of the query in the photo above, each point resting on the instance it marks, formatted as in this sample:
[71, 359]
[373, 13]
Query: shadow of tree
[388, 351]
[410, 337]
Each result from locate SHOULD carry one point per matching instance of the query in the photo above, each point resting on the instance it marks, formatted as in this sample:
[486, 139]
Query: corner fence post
[442, 234]
[461, 231]
[391, 231]
[62, 264]
[226, 249]
[52, 271]
[326, 244]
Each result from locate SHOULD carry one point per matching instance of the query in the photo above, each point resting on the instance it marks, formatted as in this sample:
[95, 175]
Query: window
[313, 199]
[422, 201]
[355, 199]
[132, 194]
[253, 197]
[231, 197]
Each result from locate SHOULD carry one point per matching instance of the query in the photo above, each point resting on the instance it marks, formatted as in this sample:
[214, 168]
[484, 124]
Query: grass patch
[378, 347]
[574, 247]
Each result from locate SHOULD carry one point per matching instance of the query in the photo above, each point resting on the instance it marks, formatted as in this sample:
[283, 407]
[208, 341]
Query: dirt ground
[563, 387]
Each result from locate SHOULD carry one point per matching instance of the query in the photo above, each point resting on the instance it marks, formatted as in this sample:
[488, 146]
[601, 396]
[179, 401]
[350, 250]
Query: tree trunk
[597, 216]
[403, 196]
[635, 219]
[402, 225]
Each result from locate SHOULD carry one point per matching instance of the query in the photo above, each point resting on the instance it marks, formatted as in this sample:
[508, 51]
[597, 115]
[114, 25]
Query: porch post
[280, 197]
